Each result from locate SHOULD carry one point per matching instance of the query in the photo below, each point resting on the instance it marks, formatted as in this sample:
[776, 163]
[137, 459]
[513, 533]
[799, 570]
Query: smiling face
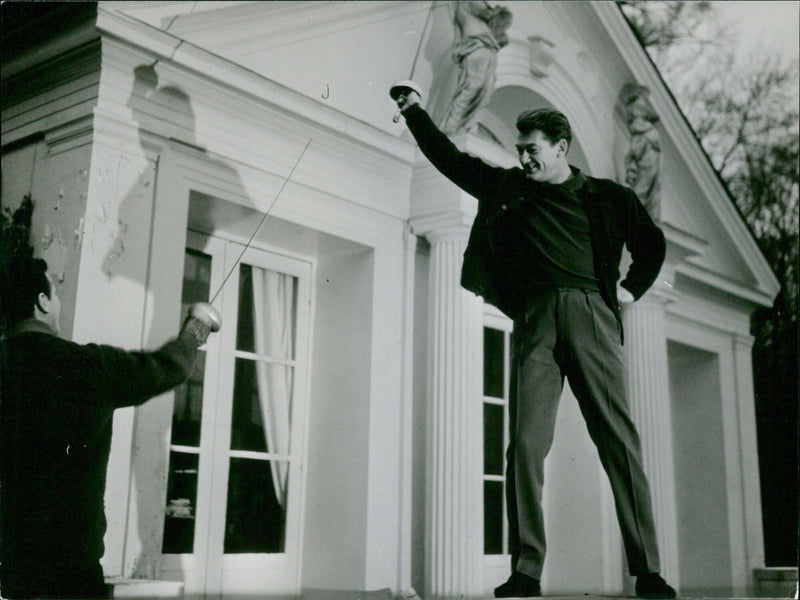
[541, 159]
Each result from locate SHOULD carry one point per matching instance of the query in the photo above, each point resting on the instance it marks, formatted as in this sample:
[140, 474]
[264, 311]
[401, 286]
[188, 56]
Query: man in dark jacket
[545, 249]
[56, 409]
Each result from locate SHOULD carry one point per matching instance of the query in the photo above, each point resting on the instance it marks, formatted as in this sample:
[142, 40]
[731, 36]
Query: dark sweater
[616, 219]
[546, 243]
[56, 410]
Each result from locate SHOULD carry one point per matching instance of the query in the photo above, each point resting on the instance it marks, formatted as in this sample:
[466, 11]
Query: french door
[235, 488]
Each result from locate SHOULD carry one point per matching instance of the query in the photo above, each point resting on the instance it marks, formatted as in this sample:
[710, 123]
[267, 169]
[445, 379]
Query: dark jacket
[615, 215]
[56, 409]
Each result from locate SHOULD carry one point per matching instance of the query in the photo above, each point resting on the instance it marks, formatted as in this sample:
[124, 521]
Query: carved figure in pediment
[480, 34]
[642, 161]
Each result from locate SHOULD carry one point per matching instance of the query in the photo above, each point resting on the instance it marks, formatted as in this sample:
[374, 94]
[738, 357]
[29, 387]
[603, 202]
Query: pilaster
[748, 448]
[648, 391]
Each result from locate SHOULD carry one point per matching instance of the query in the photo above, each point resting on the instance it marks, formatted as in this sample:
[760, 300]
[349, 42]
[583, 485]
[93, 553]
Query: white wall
[573, 507]
[703, 536]
[714, 434]
[58, 184]
[338, 448]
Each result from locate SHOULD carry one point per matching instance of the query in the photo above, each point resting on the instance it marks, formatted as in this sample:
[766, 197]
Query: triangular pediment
[715, 248]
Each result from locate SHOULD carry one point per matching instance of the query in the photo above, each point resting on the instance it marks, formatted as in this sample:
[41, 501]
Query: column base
[775, 582]
[141, 589]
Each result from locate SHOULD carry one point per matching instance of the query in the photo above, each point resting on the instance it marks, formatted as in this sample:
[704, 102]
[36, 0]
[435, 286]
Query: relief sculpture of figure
[480, 33]
[642, 161]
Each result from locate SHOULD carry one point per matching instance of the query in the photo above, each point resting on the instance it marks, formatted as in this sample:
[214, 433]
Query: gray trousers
[572, 333]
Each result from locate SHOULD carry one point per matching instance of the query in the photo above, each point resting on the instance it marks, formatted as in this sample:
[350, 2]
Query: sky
[765, 25]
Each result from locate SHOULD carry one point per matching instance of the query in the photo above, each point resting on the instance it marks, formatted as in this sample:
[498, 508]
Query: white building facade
[344, 432]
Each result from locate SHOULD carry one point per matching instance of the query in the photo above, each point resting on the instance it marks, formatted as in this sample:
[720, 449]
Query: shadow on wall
[131, 257]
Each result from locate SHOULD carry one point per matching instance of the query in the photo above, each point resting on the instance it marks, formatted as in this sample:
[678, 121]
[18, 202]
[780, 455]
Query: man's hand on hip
[624, 296]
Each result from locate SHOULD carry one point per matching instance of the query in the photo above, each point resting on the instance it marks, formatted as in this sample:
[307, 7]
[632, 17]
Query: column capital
[744, 339]
[448, 233]
[437, 204]
[647, 301]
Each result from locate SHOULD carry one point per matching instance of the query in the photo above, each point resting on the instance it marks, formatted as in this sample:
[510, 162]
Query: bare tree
[744, 111]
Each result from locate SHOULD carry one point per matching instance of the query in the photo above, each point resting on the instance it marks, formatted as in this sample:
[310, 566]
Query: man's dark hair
[24, 278]
[551, 122]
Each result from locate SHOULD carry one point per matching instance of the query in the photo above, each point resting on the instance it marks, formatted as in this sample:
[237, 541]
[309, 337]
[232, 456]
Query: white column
[753, 535]
[454, 516]
[648, 390]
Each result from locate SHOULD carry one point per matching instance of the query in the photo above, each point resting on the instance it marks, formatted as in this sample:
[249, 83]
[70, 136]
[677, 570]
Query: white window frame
[495, 566]
[208, 571]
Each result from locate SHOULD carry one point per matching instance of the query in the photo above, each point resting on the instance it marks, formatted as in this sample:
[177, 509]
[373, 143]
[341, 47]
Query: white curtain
[273, 296]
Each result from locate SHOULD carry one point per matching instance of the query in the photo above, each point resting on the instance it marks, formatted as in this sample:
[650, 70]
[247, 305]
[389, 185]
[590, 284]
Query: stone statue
[480, 33]
[642, 161]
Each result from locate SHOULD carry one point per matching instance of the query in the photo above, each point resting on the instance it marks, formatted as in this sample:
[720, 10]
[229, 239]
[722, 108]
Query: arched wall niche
[498, 121]
[569, 81]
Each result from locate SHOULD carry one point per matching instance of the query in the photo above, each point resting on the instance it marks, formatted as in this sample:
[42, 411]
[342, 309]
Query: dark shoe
[653, 585]
[519, 585]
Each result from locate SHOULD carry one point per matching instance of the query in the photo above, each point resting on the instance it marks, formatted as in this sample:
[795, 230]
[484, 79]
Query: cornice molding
[681, 244]
[114, 131]
[737, 289]
[70, 135]
[701, 321]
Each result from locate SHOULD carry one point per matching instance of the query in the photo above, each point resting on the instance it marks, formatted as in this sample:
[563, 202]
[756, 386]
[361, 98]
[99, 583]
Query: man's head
[544, 139]
[29, 293]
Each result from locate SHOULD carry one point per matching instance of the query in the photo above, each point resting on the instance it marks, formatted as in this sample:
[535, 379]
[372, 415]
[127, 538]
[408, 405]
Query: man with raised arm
[545, 248]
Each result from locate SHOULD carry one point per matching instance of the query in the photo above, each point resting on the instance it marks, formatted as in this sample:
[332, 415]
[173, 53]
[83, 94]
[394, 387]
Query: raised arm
[134, 377]
[471, 174]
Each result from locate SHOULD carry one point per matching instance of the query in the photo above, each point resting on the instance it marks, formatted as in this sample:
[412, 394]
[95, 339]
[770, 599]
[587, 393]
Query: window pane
[493, 517]
[493, 362]
[196, 277]
[181, 499]
[255, 520]
[251, 404]
[247, 427]
[245, 338]
[187, 414]
[188, 410]
[493, 446]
